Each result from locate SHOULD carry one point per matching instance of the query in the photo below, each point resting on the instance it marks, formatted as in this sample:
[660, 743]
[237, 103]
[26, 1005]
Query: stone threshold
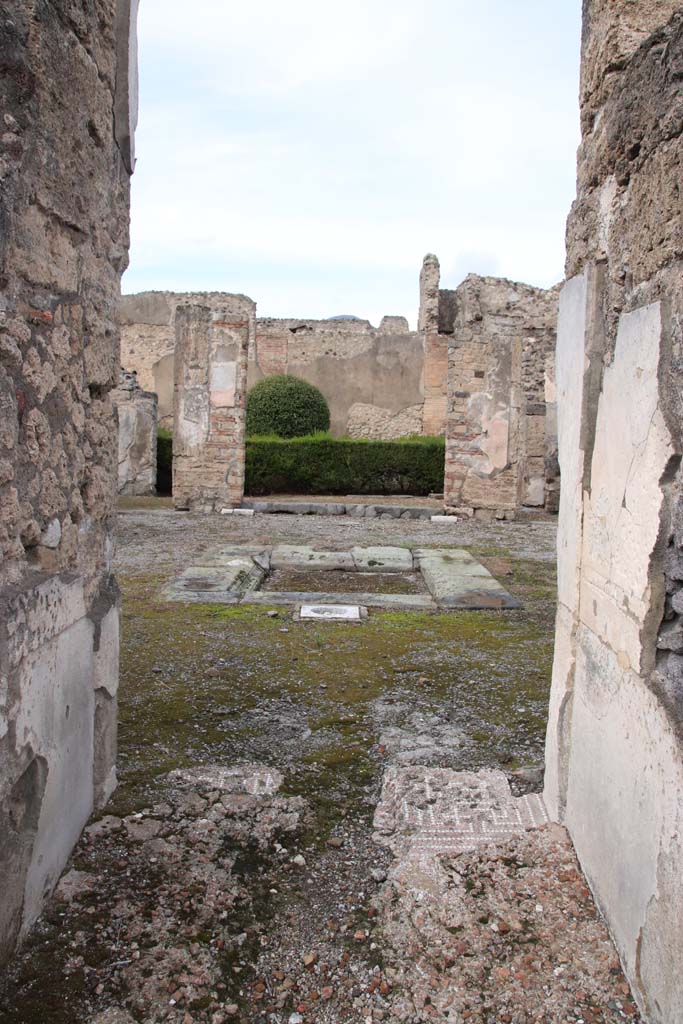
[333, 508]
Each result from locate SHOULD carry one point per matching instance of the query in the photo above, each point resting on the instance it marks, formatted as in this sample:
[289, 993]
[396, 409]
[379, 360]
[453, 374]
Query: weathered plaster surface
[614, 770]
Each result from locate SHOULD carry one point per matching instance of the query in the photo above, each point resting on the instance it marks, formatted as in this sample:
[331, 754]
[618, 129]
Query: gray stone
[456, 580]
[671, 637]
[382, 559]
[114, 1015]
[287, 556]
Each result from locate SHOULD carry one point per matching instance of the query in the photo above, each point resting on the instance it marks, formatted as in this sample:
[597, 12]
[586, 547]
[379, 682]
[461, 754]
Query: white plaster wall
[614, 771]
[571, 357]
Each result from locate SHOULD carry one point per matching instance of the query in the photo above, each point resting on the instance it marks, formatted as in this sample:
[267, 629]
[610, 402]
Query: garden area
[290, 450]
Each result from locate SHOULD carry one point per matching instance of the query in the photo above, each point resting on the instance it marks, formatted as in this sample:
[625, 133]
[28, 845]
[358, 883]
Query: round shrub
[287, 407]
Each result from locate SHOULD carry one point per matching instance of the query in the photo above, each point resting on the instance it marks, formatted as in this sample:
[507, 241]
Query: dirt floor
[235, 876]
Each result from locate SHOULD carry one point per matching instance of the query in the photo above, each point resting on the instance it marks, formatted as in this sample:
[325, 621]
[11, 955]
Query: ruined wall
[371, 377]
[137, 416]
[434, 325]
[500, 436]
[148, 338]
[614, 759]
[65, 157]
[382, 382]
[210, 366]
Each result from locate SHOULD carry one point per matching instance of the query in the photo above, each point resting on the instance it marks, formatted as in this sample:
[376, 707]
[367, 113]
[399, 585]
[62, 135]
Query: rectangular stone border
[456, 580]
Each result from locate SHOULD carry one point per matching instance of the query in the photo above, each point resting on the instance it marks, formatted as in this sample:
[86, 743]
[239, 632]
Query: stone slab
[224, 582]
[431, 811]
[396, 602]
[227, 557]
[320, 508]
[331, 612]
[382, 559]
[289, 556]
[458, 581]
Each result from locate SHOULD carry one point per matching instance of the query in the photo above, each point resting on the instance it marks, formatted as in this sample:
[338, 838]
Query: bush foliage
[164, 461]
[325, 465]
[286, 407]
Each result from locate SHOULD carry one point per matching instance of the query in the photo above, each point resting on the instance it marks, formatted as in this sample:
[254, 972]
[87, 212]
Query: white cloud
[310, 155]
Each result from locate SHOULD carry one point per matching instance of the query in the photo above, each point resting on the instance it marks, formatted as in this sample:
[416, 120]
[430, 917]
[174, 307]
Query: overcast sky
[309, 153]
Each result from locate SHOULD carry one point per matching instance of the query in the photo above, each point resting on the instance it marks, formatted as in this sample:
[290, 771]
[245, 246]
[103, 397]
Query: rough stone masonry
[137, 416]
[210, 367]
[67, 98]
[614, 755]
[501, 428]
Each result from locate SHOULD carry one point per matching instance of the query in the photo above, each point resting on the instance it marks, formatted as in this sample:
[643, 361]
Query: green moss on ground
[230, 683]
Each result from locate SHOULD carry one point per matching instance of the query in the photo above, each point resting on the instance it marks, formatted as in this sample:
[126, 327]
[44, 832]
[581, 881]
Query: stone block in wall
[137, 416]
[209, 407]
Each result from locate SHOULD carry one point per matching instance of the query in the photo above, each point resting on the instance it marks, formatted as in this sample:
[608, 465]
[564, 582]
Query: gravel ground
[168, 540]
[206, 896]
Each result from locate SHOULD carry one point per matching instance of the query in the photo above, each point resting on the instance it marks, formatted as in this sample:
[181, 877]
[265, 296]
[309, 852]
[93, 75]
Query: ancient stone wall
[372, 377]
[500, 446]
[614, 760]
[434, 327]
[148, 338]
[65, 158]
[137, 416]
[210, 365]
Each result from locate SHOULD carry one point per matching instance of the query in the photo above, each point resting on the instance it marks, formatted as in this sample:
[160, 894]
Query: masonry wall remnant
[372, 377]
[67, 94]
[210, 367]
[614, 754]
[148, 338]
[137, 415]
[501, 436]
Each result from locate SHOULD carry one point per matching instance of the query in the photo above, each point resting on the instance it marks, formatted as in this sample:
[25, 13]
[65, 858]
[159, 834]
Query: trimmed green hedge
[164, 461]
[286, 406]
[326, 465]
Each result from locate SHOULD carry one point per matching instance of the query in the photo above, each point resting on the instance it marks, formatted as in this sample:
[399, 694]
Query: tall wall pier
[210, 365]
[67, 94]
[614, 757]
[498, 338]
